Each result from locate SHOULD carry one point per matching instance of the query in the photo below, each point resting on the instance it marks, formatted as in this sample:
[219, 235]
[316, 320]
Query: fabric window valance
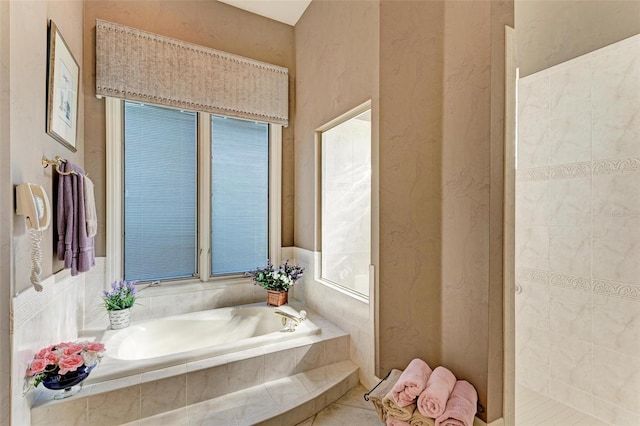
[141, 66]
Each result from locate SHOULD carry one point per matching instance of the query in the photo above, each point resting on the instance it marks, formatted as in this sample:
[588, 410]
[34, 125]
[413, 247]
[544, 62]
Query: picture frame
[63, 79]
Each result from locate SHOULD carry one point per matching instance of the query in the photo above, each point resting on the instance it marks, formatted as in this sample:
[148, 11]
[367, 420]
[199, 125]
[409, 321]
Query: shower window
[346, 203]
[196, 194]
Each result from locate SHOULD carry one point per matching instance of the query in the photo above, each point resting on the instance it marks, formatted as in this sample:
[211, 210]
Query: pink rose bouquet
[62, 359]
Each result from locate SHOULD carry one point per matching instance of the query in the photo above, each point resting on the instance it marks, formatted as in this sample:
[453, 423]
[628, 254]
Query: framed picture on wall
[63, 75]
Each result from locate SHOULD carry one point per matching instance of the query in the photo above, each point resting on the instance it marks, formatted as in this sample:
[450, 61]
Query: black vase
[55, 381]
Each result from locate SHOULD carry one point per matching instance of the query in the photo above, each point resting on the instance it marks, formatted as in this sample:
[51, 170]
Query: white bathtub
[181, 339]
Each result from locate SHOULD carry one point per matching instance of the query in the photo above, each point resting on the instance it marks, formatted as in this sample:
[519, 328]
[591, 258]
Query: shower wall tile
[614, 414]
[591, 267]
[573, 397]
[570, 313]
[532, 247]
[532, 355]
[532, 305]
[570, 250]
[616, 199]
[532, 203]
[616, 324]
[533, 125]
[616, 253]
[616, 101]
[616, 378]
[570, 138]
[570, 361]
[570, 202]
[570, 113]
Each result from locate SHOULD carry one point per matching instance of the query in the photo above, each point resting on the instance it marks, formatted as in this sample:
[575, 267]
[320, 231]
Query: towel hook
[46, 163]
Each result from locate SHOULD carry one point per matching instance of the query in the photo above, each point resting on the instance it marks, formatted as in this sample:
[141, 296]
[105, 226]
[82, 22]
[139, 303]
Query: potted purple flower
[276, 280]
[119, 301]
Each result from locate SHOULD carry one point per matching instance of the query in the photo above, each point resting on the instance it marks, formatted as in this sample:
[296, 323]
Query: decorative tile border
[588, 285]
[625, 165]
[570, 282]
[578, 170]
[527, 175]
[610, 288]
[533, 276]
[570, 171]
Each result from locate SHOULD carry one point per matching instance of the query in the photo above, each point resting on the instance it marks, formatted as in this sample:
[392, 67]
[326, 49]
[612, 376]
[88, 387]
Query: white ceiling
[286, 11]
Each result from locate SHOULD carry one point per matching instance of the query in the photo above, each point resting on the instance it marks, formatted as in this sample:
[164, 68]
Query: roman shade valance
[141, 66]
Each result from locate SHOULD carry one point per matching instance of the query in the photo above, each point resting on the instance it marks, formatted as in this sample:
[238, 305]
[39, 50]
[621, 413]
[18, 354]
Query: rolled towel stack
[396, 412]
[433, 400]
[395, 422]
[419, 396]
[411, 383]
[381, 391]
[461, 407]
[419, 420]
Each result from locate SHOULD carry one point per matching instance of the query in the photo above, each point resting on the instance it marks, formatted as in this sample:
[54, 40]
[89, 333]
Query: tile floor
[535, 409]
[350, 410]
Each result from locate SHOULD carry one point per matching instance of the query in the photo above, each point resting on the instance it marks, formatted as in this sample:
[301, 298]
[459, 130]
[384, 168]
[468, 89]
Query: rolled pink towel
[411, 383]
[396, 422]
[433, 400]
[461, 407]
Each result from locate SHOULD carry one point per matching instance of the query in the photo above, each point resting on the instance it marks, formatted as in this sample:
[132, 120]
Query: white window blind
[160, 192]
[240, 191]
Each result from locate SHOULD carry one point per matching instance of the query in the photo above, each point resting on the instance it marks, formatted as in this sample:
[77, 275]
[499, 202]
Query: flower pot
[277, 298]
[120, 319]
[67, 383]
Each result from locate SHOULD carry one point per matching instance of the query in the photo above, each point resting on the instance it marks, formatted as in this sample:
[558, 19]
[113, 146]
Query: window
[160, 193]
[346, 203]
[200, 193]
[240, 195]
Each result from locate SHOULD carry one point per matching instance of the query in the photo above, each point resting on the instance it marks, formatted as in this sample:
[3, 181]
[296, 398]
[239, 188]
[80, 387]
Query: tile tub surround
[39, 320]
[146, 394]
[578, 233]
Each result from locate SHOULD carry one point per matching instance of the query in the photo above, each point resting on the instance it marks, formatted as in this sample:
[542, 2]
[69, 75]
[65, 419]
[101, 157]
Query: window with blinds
[239, 195]
[160, 192]
[161, 223]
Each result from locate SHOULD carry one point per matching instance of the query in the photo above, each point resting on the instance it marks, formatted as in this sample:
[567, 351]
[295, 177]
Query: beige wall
[28, 140]
[551, 32]
[6, 217]
[208, 23]
[441, 84]
[336, 69]
[411, 101]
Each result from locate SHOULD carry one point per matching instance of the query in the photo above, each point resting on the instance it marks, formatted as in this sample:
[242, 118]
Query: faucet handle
[303, 314]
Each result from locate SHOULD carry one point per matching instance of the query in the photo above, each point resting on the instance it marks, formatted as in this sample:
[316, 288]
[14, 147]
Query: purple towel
[74, 246]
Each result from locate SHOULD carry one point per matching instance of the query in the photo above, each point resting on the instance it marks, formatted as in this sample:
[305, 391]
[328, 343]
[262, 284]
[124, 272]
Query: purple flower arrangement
[121, 296]
[276, 279]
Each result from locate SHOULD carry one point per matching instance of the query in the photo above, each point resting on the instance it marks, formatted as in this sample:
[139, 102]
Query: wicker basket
[277, 298]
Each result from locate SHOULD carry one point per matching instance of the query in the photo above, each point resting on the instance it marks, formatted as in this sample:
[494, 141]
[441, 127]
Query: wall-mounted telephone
[33, 203]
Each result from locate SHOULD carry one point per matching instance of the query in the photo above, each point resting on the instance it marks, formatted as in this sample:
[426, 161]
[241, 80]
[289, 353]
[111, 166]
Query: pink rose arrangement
[61, 359]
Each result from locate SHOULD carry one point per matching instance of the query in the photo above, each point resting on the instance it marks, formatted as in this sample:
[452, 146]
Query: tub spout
[290, 321]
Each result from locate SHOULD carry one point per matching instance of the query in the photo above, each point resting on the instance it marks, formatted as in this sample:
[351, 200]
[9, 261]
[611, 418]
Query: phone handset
[33, 203]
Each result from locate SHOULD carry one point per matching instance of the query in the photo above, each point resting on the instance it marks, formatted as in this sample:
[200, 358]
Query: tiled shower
[578, 233]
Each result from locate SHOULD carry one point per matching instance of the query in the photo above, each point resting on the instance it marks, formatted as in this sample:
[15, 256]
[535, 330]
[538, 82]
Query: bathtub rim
[200, 358]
